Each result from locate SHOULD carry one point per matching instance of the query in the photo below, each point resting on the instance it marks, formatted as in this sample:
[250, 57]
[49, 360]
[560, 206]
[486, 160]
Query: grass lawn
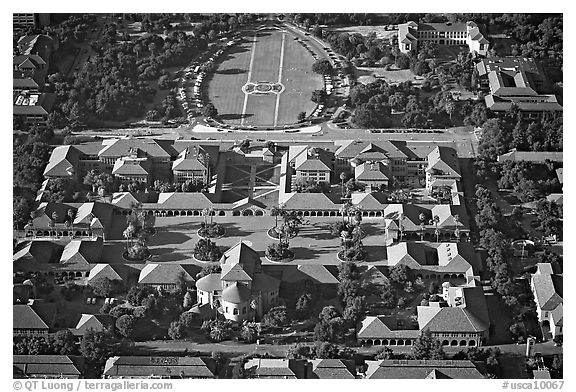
[273, 56]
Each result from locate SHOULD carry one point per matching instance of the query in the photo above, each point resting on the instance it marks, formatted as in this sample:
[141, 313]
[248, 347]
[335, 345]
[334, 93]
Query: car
[88, 301]
[94, 299]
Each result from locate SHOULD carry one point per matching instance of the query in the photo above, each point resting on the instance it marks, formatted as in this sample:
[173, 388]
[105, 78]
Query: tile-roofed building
[166, 275]
[442, 165]
[332, 369]
[532, 156]
[241, 288]
[127, 199]
[48, 366]
[310, 163]
[63, 162]
[547, 286]
[29, 73]
[387, 331]
[462, 321]
[32, 109]
[448, 33]
[376, 175]
[423, 369]
[37, 44]
[276, 368]
[35, 319]
[560, 175]
[82, 253]
[133, 169]
[373, 203]
[159, 367]
[418, 221]
[191, 165]
[519, 81]
[35, 254]
[119, 274]
[95, 322]
[311, 202]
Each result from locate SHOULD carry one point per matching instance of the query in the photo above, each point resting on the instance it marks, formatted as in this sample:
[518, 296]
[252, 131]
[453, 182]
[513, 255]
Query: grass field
[264, 56]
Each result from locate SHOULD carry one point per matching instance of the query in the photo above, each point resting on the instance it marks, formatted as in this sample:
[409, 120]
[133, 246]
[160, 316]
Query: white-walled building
[411, 33]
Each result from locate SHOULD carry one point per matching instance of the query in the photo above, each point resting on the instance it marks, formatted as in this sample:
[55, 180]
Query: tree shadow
[234, 116]
[233, 230]
[167, 254]
[316, 233]
[166, 238]
[307, 253]
[231, 71]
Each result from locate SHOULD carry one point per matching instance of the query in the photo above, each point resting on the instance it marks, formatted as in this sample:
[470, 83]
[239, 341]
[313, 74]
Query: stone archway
[472, 343]
[462, 343]
[259, 213]
[385, 342]
[377, 342]
[248, 212]
[454, 343]
[445, 343]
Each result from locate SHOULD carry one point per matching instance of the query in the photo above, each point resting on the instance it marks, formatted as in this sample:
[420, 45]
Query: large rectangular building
[451, 34]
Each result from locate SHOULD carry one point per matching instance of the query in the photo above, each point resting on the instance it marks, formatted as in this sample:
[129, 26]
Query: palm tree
[129, 234]
[456, 228]
[345, 209]
[422, 218]
[435, 221]
[70, 213]
[343, 177]
[278, 211]
[400, 225]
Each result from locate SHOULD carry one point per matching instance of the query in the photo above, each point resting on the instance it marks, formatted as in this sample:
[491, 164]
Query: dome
[209, 283]
[236, 293]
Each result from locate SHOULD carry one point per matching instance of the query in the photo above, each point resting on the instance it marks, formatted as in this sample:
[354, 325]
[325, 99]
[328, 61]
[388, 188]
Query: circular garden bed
[211, 231]
[352, 255]
[273, 233]
[146, 255]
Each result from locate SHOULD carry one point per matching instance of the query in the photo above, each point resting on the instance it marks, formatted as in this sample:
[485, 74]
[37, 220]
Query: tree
[250, 332]
[301, 351]
[319, 96]
[427, 347]
[301, 116]
[322, 67]
[402, 61]
[125, 325]
[326, 350]
[137, 294]
[176, 330]
[276, 317]
[303, 304]
[21, 209]
[188, 300]
[97, 347]
[101, 287]
[399, 274]
[209, 110]
[383, 353]
[218, 333]
[64, 343]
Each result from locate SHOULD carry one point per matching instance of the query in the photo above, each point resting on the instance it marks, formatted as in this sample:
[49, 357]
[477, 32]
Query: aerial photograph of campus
[288, 195]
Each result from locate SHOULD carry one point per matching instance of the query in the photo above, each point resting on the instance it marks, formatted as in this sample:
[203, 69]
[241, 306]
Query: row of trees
[500, 135]
[491, 222]
[529, 181]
